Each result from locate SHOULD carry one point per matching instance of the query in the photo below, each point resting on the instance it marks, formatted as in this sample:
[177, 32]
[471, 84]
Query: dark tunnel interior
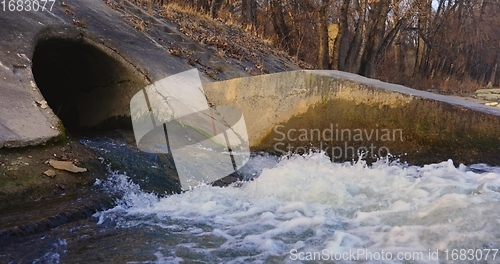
[84, 86]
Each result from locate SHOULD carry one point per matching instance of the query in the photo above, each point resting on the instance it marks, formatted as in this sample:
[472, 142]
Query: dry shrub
[450, 85]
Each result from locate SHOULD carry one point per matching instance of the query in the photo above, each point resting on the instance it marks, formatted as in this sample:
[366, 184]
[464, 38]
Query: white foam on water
[308, 204]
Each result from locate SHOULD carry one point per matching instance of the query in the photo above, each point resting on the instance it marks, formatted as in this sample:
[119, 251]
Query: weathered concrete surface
[91, 23]
[87, 60]
[432, 127]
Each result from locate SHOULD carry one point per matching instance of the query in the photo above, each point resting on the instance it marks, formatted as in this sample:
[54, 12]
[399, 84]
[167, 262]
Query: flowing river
[288, 210]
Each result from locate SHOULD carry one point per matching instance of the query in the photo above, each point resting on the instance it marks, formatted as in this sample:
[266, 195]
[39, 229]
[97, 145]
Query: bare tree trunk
[400, 56]
[353, 57]
[375, 39]
[391, 36]
[424, 13]
[249, 14]
[419, 55]
[323, 51]
[244, 11]
[493, 76]
[338, 62]
[279, 24]
[215, 5]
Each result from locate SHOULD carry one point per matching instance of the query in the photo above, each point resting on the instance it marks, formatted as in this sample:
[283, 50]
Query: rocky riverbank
[23, 172]
[491, 96]
[33, 200]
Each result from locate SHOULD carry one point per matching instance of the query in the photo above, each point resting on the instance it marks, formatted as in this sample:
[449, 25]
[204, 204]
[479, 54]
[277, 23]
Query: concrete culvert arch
[86, 86]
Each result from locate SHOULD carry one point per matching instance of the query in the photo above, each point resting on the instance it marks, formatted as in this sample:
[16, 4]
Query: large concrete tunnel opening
[86, 87]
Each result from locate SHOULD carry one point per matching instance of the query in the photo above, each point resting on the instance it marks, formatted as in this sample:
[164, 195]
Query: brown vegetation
[448, 46]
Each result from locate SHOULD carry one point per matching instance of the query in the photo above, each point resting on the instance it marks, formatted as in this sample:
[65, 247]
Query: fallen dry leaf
[66, 165]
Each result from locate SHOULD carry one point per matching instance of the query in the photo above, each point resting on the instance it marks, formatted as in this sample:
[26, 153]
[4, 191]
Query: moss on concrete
[431, 131]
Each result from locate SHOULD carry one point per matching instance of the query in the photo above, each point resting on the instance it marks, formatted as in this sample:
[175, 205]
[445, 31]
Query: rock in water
[66, 165]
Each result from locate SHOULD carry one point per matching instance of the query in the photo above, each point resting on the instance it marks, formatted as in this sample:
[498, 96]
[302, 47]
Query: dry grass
[137, 23]
[226, 39]
[186, 9]
[465, 87]
[447, 85]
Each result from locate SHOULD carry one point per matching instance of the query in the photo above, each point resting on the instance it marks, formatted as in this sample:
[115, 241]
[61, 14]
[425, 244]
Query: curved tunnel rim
[71, 34]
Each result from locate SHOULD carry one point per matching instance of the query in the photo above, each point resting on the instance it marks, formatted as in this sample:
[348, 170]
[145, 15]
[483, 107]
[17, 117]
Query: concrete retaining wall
[343, 113]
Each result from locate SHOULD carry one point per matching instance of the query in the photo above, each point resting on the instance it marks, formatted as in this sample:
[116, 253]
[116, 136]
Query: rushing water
[295, 208]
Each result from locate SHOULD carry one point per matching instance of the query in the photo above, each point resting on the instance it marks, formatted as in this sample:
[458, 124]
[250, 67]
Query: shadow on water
[152, 172]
